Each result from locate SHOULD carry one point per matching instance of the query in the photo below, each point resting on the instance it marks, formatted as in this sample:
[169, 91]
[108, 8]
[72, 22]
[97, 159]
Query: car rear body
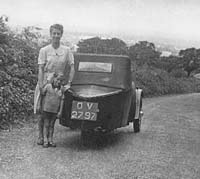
[102, 93]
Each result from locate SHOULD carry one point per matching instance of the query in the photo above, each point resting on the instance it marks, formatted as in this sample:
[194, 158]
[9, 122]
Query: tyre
[137, 125]
[137, 122]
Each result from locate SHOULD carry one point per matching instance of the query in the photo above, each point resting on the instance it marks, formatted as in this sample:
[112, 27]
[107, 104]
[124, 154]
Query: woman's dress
[54, 61]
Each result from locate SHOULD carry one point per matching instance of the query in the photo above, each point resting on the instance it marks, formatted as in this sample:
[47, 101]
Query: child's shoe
[52, 144]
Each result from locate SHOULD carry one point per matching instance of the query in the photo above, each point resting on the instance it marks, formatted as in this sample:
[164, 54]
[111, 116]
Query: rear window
[95, 67]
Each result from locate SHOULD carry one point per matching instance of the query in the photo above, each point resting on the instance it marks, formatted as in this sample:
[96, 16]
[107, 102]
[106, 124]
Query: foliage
[169, 63]
[18, 54]
[190, 59]
[155, 82]
[144, 52]
[178, 73]
[103, 46]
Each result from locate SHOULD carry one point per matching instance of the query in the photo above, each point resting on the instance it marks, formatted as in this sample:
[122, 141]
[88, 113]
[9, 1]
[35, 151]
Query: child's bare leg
[51, 131]
[46, 131]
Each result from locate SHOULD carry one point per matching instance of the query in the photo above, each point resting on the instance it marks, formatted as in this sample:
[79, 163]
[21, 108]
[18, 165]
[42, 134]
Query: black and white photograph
[99, 89]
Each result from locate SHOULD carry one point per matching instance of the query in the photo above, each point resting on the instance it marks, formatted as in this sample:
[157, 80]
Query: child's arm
[44, 89]
[61, 106]
[59, 115]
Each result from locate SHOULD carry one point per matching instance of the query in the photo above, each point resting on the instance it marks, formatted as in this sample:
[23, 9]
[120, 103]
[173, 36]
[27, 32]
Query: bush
[17, 76]
[155, 82]
[178, 73]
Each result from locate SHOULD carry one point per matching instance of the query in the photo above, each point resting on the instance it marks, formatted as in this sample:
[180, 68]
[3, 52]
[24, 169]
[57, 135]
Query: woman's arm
[41, 76]
[71, 76]
[71, 70]
[71, 73]
[41, 63]
[71, 63]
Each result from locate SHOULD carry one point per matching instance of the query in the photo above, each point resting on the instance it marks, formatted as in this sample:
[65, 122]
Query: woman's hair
[56, 26]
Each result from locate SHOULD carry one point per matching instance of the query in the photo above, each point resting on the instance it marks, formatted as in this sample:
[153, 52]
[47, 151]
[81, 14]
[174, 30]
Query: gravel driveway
[168, 147]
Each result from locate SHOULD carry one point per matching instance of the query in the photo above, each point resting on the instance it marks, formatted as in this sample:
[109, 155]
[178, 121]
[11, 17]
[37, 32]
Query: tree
[169, 63]
[144, 52]
[3, 30]
[18, 60]
[190, 60]
[103, 46]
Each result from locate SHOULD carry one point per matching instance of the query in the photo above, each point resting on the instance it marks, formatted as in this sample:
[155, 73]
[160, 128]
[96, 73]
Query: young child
[52, 93]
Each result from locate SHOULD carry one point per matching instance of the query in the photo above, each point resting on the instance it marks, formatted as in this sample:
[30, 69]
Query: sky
[177, 19]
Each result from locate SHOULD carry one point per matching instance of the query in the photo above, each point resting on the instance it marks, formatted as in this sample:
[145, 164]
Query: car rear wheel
[137, 122]
[137, 125]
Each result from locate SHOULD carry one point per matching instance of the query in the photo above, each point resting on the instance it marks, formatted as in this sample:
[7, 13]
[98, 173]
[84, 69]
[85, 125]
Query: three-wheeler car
[103, 96]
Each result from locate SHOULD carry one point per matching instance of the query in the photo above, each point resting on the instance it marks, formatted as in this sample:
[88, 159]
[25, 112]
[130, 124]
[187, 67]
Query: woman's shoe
[40, 142]
[52, 144]
[46, 145]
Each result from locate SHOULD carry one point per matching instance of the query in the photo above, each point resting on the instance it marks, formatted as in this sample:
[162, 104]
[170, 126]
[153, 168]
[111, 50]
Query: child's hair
[58, 75]
[55, 75]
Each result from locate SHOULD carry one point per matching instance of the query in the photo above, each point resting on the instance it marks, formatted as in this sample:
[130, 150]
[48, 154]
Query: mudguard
[138, 98]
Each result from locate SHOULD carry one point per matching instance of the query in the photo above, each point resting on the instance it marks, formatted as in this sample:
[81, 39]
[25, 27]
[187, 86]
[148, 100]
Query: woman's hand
[59, 115]
[67, 86]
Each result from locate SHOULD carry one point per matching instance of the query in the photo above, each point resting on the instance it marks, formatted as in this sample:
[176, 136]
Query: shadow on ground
[94, 141]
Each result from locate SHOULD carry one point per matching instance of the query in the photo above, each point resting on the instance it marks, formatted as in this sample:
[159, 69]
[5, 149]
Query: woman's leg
[46, 131]
[40, 130]
[51, 131]
[37, 103]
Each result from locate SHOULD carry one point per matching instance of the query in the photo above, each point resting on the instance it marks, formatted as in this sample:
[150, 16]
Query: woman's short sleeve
[70, 58]
[42, 57]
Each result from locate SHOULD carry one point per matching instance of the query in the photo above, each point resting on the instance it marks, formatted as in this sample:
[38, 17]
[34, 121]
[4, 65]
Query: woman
[53, 58]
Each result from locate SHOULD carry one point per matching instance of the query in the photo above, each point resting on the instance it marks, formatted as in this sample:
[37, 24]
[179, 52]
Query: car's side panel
[126, 107]
[138, 100]
[133, 104]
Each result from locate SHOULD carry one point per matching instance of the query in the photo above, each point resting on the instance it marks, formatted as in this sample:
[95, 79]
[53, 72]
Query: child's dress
[52, 99]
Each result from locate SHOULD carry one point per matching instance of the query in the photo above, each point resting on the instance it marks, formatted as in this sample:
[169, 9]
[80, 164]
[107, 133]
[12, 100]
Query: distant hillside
[163, 44]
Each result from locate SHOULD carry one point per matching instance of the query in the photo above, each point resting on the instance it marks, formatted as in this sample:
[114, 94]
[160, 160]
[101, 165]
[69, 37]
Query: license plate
[82, 110]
